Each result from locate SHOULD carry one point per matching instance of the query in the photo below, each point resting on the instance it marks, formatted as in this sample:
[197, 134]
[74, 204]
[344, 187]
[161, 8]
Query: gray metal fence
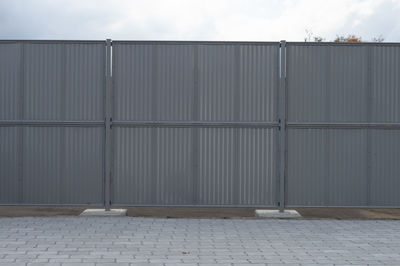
[199, 123]
[52, 122]
[343, 124]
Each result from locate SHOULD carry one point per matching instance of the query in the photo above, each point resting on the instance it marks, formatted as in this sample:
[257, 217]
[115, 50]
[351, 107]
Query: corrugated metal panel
[10, 73]
[156, 82]
[327, 83]
[69, 77]
[343, 83]
[327, 167]
[55, 81]
[83, 168]
[236, 167]
[218, 82]
[51, 165]
[238, 83]
[51, 81]
[259, 77]
[43, 81]
[385, 67]
[159, 166]
[153, 82]
[385, 168]
[84, 81]
[9, 165]
[342, 168]
[194, 82]
[174, 164]
[152, 166]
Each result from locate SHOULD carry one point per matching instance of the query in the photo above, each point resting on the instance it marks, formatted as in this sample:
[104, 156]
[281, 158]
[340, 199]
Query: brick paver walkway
[146, 241]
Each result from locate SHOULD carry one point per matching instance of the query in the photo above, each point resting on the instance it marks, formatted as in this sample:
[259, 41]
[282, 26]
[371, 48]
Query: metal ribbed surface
[152, 166]
[331, 167]
[327, 83]
[226, 82]
[153, 82]
[52, 83]
[196, 123]
[10, 167]
[238, 83]
[237, 166]
[183, 166]
[193, 82]
[336, 84]
[51, 165]
[327, 167]
[258, 73]
[385, 83]
[84, 81]
[385, 168]
[70, 77]
[10, 65]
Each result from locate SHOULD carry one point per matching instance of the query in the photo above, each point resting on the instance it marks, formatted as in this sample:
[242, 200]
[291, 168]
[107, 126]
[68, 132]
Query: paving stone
[146, 241]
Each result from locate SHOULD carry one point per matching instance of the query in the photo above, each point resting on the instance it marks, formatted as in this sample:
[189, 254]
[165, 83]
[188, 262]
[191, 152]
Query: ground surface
[198, 212]
[155, 241]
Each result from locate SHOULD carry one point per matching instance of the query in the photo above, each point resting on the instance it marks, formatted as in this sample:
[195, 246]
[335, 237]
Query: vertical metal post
[195, 131]
[20, 130]
[107, 140]
[282, 124]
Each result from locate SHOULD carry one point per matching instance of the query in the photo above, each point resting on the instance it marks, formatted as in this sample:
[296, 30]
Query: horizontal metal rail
[318, 125]
[343, 44]
[52, 41]
[194, 124]
[51, 123]
[194, 42]
[345, 207]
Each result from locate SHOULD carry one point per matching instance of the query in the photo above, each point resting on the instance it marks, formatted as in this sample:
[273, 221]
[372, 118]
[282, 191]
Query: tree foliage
[348, 38]
[310, 37]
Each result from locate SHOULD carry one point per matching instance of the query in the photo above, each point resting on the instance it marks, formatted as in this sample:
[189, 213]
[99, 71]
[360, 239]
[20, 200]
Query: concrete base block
[103, 212]
[287, 214]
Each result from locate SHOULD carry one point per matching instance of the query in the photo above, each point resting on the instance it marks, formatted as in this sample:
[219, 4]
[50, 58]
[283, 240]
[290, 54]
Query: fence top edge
[204, 42]
[53, 41]
[160, 42]
[342, 43]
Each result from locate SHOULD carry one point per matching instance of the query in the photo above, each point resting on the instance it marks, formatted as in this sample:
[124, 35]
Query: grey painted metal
[107, 134]
[173, 182]
[50, 123]
[343, 104]
[199, 123]
[51, 147]
[388, 126]
[194, 123]
[282, 125]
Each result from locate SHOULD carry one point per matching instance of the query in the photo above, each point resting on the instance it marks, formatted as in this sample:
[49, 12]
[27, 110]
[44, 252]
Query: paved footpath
[147, 241]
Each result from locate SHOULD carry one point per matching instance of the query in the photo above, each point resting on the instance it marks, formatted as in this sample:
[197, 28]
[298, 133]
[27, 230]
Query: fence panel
[343, 110]
[194, 123]
[51, 122]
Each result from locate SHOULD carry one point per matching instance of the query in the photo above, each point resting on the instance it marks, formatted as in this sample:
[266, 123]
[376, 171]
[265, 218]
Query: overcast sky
[225, 20]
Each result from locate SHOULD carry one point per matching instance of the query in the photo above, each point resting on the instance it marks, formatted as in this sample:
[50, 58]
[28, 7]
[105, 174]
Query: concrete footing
[287, 214]
[103, 212]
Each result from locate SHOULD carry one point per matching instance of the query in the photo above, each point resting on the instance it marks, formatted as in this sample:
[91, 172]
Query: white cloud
[198, 20]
